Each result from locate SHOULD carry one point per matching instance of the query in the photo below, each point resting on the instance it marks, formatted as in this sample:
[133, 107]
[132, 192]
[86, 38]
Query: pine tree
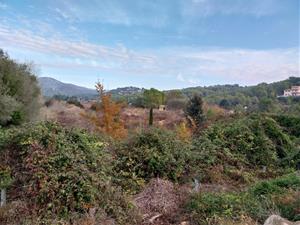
[152, 99]
[194, 112]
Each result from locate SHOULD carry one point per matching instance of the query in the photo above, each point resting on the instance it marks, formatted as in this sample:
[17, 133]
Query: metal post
[3, 197]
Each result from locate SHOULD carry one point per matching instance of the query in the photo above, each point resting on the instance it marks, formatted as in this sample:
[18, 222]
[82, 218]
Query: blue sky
[164, 44]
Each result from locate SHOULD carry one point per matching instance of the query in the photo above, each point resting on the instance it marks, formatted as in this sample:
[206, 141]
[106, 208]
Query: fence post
[196, 185]
[3, 197]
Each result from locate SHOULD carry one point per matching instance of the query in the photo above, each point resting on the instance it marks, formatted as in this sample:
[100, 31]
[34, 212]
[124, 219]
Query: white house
[294, 91]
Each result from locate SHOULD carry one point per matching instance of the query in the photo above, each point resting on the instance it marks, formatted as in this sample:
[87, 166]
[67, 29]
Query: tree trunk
[151, 117]
[3, 197]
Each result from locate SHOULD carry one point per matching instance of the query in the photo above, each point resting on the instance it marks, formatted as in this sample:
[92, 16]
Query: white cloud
[3, 6]
[188, 65]
[117, 12]
[180, 78]
[204, 8]
[59, 46]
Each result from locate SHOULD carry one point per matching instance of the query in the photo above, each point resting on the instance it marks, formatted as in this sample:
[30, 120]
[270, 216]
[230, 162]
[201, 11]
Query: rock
[184, 223]
[277, 220]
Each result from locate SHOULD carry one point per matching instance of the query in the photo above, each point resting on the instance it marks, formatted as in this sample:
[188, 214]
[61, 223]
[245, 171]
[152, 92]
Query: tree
[19, 92]
[152, 99]
[175, 99]
[194, 112]
[224, 103]
[107, 115]
[266, 105]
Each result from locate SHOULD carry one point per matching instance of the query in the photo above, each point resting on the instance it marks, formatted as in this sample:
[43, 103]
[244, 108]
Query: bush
[290, 123]
[74, 101]
[276, 186]
[176, 104]
[235, 150]
[58, 172]
[149, 154]
[257, 202]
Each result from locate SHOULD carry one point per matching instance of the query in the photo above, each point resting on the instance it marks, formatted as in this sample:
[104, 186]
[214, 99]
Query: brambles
[257, 203]
[245, 144]
[59, 172]
[150, 154]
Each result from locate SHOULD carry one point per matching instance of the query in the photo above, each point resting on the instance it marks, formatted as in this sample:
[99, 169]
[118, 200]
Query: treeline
[259, 98]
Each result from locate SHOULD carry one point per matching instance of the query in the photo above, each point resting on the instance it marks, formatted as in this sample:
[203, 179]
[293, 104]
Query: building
[162, 108]
[293, 91]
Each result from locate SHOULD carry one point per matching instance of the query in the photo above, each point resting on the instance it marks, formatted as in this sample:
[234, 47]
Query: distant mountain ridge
[213, 94]
[50, 87]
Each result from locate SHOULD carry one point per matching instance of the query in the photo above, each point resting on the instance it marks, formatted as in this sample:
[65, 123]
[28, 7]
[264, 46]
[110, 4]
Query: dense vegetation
[59, 173]
[261, 97]
[279, 195]
[258, 98]
[19, 92]
[149, 154]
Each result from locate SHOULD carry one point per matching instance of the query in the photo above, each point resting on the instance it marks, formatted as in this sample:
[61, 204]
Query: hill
[124, 91]
[235, 96]
[51, 87]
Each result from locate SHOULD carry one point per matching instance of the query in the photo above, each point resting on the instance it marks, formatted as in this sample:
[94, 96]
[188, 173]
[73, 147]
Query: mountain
[51, 87]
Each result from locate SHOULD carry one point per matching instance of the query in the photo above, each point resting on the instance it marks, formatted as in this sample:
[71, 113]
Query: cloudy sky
[154, 43]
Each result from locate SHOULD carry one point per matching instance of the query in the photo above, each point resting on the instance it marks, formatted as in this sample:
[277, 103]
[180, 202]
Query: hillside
[261, 90]
[51, 87]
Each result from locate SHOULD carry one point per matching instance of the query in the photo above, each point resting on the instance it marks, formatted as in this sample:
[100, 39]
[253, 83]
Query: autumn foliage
[183, 132]
[106, 118]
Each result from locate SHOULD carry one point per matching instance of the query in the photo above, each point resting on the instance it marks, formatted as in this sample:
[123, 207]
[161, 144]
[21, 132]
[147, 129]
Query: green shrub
[58, 172]
[276, 186]
[149, 154]
[290, 123]
[279, 195]
[282, 140]
[246, 144]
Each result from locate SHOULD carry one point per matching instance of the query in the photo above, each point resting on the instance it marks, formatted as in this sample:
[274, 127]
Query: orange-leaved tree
[107, 118]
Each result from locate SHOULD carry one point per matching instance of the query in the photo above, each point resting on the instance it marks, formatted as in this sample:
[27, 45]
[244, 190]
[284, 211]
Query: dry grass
[159, 202]
[135, 118]
[66, 114]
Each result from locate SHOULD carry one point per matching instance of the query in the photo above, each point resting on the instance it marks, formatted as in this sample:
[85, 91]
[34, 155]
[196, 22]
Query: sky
[165, 44]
